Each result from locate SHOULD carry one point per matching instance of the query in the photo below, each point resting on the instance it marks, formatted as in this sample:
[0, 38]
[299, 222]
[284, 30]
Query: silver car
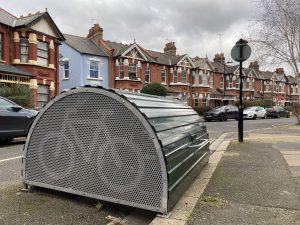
[254, 112]
[15, 121]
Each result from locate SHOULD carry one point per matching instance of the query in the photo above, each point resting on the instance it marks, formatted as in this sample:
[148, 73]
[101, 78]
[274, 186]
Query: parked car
[222, 113]
[15, 121]
[254, 112]
[277, 111]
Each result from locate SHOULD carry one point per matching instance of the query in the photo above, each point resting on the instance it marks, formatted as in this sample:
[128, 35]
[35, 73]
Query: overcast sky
[194, 25]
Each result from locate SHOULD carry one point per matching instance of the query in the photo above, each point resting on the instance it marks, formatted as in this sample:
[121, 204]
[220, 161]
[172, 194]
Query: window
[211, 81]
[132, 71]
[121, 70]
[237, 83]
[43, 95]
[175, 76]
[230, 82]
[196, 79]
[24, 50]
[1, 46]
[222, 83]
[66, 70]
[267, 87]
[5, 104]
[250, 84]
[163, 76]
[147, 74]
[204, 102]
[94, 69]
[42, 53]
[183, 76]
[196, 102]
[279, 88]
[204, 79]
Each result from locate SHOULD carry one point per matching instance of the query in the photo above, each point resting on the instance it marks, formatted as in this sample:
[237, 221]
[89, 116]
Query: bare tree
[275, 33]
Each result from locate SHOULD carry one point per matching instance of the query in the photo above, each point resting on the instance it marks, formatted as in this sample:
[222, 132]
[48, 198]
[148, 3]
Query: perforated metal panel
[94, 143]
[133, 149]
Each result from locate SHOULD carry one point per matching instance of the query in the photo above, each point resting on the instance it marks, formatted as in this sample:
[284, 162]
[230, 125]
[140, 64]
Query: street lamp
[224, 80]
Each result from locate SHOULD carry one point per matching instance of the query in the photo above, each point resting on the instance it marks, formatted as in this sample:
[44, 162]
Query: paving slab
[255, 186]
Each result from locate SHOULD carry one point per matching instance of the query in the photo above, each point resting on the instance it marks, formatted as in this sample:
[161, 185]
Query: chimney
[254, 65]
[95, 33]
[219, 58]
[170, 49]
[279, 71]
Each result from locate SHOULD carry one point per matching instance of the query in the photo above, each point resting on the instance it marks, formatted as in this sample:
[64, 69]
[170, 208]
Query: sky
[198, 27]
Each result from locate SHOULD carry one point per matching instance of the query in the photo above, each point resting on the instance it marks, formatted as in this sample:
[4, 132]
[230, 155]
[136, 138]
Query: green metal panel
[184, 139]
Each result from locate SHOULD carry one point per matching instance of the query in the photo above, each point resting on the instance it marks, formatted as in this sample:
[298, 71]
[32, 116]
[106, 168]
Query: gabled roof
[200, 62]
[118, 48]
[28, 21]
[160, 57]
[83, 45]
[266, 75]
[176, 59]
[13, 70]
[292, 79]
[6, 18]
[231, 69]
[217, 67]
[282, 78]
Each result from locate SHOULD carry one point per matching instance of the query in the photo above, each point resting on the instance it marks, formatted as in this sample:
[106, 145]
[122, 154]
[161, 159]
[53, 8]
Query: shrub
[202, 109]
[266, 103]
[20, 94]
[155, 89]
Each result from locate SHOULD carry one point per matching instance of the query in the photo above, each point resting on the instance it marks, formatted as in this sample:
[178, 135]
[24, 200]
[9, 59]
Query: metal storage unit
[132, 149]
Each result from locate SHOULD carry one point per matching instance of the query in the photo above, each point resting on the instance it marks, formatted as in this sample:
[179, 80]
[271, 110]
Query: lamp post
[241, 52]
[224, 80]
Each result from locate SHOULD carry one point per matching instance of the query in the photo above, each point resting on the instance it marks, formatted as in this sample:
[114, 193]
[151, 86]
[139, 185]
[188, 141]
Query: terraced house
[29, 53]
[196, 81]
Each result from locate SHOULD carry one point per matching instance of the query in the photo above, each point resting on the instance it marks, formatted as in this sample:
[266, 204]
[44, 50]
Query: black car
[277, 111]
[15, 121]
[222, 113]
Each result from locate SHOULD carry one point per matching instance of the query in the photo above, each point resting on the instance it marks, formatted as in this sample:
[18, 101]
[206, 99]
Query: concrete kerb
[185, 206]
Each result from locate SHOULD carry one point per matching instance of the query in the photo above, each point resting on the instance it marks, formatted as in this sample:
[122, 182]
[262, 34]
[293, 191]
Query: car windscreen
[251, 109]
[5, 104]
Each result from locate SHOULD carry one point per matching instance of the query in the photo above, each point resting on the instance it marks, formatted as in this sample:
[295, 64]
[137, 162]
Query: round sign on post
[235, 53]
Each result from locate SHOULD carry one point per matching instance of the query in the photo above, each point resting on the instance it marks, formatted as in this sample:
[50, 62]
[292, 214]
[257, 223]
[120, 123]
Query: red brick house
[29, 53]
[131, 66]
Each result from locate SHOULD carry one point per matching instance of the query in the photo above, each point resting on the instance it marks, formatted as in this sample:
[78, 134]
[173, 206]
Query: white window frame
[42, 53]
[175, 78]
[196, 102]
[132, 71]
[121, 70]
[96, 62]
[163, 71]
[184, 78]
[204, 101]
[148, 74]
[204, 79]
[66, 70]
[24, 50]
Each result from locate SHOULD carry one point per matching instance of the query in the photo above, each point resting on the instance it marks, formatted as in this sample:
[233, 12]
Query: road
[215, 129]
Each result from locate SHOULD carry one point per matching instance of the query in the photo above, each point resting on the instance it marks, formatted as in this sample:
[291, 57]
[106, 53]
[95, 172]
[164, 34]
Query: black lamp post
[224, 80]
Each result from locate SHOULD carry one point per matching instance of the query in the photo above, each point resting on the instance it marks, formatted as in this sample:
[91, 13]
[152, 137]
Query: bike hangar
[122, 147]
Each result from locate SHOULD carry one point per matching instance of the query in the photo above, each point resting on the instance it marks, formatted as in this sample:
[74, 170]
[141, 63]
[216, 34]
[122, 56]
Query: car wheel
[222, 117]
[254, 117]
[288, 115]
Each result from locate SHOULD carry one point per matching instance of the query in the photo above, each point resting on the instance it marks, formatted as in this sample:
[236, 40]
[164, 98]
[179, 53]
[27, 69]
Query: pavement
[254, 182]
